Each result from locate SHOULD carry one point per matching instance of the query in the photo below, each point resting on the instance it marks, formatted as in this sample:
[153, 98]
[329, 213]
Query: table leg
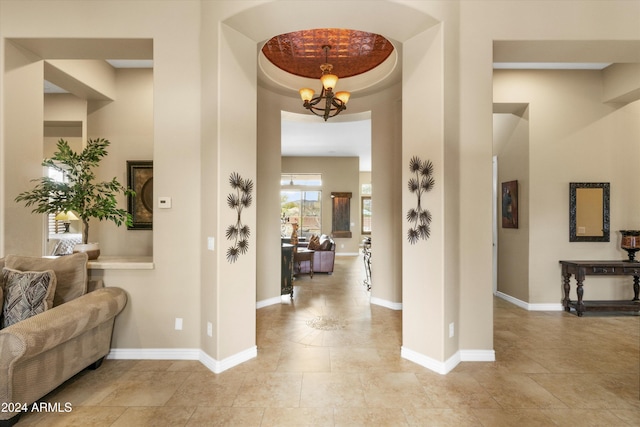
[636, 288]
[311, 266]
[580, 306]
[565, 301]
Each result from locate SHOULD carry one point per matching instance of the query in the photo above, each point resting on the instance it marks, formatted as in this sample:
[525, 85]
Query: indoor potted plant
[79, 192]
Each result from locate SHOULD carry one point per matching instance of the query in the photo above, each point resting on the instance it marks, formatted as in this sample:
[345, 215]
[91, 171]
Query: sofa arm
[46, 330]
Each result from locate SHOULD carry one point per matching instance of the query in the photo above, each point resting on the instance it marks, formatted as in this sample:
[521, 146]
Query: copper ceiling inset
[352, 52]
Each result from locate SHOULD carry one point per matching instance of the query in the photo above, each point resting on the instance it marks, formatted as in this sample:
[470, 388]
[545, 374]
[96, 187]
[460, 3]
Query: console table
[286, 269]
[580, 269]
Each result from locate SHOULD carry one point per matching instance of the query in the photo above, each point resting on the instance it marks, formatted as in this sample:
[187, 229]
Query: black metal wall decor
[418, 217]
[238, 232]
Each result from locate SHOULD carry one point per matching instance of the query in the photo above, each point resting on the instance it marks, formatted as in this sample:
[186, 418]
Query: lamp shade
[343, 96]
[66, 216]
[329, 81]
[306, 94]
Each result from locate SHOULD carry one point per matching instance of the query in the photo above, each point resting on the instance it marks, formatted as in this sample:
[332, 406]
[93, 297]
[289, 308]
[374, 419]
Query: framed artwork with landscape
[140, 206]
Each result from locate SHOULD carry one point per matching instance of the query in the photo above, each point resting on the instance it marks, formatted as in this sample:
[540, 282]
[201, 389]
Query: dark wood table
[304, 255]
[581, 269]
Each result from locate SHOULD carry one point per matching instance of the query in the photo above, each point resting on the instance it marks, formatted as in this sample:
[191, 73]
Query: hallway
[328, 358]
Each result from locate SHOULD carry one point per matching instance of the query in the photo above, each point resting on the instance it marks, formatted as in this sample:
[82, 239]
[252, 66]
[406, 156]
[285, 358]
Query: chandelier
[327, 104]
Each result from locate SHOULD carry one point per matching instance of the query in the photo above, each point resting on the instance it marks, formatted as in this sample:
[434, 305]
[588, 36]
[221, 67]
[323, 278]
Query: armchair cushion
[27, 293]
[70, 270]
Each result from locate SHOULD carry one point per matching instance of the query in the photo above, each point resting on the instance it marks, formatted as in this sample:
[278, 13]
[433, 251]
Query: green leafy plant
[79, 192]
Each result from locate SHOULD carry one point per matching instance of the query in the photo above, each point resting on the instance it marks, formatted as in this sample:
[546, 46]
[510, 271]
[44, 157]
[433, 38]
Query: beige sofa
[41, 352]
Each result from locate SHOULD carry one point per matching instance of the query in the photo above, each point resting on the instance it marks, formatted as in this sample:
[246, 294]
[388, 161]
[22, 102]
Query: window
[365, 215]
[53, 225]
[301, 180]
[303, 208]
[365, 208]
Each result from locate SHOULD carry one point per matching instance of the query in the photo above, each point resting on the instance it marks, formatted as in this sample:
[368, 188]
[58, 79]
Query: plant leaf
[232, 254]
[415, 164]
[427, 168]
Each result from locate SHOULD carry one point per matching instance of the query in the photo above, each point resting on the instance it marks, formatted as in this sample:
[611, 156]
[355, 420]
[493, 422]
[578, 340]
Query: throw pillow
[325, 245]
[27, 293]
[71, 273]
[314, 243]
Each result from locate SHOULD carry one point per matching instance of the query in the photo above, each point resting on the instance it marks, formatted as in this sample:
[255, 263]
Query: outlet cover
[178, 323]
[210, 329]
[452, 330]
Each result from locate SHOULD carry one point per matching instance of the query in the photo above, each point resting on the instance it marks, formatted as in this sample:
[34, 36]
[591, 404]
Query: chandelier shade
[343, 96]
[329, 81]
[306, 94]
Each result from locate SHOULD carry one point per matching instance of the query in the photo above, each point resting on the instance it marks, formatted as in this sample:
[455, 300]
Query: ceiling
[347, 134]
[305, 135]
[350, 52]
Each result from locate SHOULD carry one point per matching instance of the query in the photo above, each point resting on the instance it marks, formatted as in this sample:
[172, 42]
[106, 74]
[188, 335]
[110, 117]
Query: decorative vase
[294, 234]
[92, 249]
[630, 243]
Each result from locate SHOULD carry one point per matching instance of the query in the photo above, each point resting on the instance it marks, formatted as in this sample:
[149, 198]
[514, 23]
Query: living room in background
[301, 206]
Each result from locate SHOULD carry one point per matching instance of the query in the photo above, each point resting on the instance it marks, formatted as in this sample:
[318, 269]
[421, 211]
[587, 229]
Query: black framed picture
[140, 206]
[510, 204]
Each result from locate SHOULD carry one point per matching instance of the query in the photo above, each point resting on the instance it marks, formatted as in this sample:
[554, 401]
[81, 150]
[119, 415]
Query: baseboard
[270, 301]
[448, 365]
[155, 353]
[477, 355]
[436, 366]
[215, 366]
[347, 253]
[387, 304]
[528, 306]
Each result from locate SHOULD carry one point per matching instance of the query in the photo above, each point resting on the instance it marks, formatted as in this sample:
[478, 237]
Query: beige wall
[172, 289]
[511, 142]
[574, 137]
[205, 126]
[127, 123]
[339, 174]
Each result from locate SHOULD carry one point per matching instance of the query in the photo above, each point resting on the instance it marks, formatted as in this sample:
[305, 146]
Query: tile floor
[328, 358]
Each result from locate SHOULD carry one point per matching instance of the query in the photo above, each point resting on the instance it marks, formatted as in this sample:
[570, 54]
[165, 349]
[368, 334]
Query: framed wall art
[510, 204]
[140, 206]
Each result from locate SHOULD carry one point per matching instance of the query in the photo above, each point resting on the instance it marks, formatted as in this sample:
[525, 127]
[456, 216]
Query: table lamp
[66, 218]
